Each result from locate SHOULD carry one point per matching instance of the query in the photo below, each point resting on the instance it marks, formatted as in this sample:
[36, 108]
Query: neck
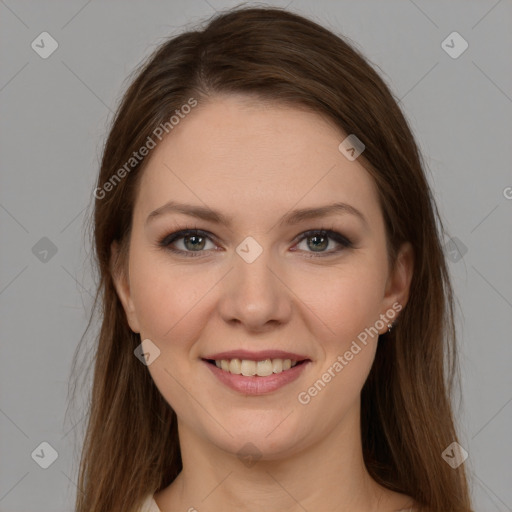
[327, 475]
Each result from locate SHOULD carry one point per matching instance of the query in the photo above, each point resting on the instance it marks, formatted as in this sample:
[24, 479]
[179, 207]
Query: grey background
[53, 120]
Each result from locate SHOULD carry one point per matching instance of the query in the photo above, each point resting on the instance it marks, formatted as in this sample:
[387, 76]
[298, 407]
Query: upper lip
[256, 356]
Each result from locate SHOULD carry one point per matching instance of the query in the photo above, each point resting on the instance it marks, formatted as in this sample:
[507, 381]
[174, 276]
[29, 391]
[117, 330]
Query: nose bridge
[253, 267]
[254, 294]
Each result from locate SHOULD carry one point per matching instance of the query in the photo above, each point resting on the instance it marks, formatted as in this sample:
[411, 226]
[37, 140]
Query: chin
[266, 440]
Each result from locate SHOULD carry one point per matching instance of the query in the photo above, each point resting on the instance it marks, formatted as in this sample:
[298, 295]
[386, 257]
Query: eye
[320, 239]
[195, 241]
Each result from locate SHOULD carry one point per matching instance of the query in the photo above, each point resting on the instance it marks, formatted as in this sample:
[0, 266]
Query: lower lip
[257, 385]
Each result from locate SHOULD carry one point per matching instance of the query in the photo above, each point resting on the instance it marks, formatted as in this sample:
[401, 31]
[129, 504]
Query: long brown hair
[131, 444]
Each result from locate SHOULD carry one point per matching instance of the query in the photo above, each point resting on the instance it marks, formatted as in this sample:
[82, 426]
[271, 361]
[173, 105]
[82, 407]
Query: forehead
[239, 155]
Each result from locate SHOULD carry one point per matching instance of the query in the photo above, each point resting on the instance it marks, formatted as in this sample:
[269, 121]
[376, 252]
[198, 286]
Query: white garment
[150, 505]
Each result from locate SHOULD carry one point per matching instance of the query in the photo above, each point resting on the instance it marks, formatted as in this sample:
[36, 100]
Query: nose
[254, 294]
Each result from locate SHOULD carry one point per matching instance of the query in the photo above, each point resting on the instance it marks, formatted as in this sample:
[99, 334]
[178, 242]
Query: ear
[399, 281]
[121, 280]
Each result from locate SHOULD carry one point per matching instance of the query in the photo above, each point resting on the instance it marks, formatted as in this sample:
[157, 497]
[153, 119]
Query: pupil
[190, 237]
[321, 246]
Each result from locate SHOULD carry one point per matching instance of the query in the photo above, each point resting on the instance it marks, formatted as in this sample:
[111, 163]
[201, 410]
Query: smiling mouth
[250, 368]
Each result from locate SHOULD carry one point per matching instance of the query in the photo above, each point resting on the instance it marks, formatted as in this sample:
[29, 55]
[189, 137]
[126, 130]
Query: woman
[276, 307]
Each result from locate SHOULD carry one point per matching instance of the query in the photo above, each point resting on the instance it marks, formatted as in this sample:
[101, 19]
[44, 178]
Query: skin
[256, 162]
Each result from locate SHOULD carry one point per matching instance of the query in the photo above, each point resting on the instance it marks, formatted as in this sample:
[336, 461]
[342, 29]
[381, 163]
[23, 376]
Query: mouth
[255, 368]
[256, 373]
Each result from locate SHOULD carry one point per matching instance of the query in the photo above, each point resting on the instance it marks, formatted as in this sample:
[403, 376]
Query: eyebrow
[291, 218]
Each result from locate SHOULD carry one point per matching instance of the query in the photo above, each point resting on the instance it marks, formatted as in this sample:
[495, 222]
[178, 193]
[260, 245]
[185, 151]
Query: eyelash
[167, 240]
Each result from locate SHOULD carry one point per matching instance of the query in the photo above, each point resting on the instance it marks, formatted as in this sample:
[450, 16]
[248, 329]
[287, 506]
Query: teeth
[277, 365]
[235, 366]
[264, 368]
[249, 368]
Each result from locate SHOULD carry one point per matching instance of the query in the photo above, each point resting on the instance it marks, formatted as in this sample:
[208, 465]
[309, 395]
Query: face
[252, 290]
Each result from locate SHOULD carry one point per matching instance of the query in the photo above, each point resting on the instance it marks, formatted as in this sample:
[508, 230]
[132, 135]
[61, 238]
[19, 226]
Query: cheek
[346, 301]
[347, 310]
[167, 298]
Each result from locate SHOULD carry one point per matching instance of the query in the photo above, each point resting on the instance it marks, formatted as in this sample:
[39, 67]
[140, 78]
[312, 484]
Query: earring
[390, 326]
